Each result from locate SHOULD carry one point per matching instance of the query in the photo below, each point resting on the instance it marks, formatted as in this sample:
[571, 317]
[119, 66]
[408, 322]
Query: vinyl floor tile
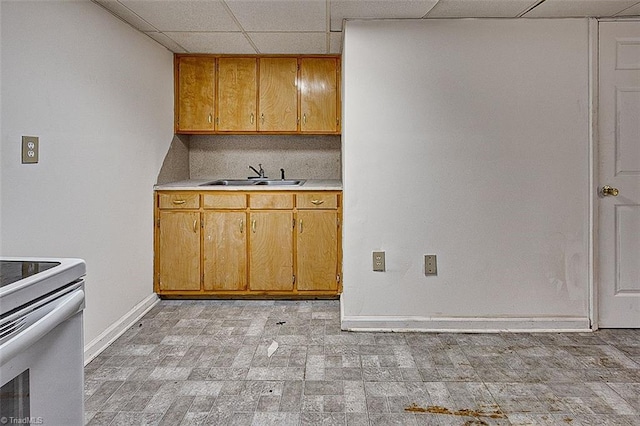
[206, 362]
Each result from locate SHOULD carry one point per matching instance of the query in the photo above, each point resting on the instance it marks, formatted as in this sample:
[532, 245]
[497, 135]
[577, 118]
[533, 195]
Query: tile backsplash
[229, 156]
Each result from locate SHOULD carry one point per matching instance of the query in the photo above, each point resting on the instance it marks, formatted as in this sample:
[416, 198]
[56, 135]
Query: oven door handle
[67, 307]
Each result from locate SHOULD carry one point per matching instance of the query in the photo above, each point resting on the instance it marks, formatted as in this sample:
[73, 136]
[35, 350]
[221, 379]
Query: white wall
[100, 97]
[466, 139]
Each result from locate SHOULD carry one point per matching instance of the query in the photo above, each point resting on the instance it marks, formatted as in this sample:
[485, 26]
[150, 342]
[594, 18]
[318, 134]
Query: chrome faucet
[259, 172]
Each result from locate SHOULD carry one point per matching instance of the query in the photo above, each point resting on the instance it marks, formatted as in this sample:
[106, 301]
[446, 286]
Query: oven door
[41, 361]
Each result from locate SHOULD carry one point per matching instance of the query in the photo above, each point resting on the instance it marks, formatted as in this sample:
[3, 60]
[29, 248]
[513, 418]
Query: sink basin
[282, 182]
[247, 182]
[231, 182]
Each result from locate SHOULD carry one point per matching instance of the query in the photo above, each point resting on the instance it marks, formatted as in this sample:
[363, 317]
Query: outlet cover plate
[430, 264]
[378, 261]
[29, 149]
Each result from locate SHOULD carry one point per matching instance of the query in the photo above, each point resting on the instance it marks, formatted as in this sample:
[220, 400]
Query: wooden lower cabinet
[271, 251]
[317, 250]
[178, 254]
[224, 248]
[247, 244]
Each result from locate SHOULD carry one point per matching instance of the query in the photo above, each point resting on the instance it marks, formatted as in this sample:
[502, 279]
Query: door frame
[593, 172]
[594, 176]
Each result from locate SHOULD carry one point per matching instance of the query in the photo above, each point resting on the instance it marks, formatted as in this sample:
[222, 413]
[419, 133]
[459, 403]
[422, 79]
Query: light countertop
[195, 185]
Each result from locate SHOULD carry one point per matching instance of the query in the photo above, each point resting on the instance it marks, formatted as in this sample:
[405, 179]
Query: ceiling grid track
[242, 30]
[305, 26]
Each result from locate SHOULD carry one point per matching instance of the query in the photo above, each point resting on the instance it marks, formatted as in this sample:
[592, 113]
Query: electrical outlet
[430, 264]
[29, 149]
[378, 261]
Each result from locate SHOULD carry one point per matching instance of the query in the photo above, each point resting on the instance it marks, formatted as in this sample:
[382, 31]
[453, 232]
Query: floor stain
[434, 409]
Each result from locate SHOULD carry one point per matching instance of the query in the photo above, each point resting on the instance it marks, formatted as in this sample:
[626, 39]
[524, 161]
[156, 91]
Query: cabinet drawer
[317, 200]
[224, 201]
[271, 201]
[179, 200]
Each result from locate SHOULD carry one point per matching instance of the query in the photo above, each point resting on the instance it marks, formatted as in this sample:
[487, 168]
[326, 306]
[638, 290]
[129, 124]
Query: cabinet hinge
[337, 221]
[294, 279]
[337, 121]
[294, 223]
[158, 222]
[338, 278]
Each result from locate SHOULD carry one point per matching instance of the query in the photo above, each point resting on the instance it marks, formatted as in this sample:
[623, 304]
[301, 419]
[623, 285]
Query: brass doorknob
[607, 190]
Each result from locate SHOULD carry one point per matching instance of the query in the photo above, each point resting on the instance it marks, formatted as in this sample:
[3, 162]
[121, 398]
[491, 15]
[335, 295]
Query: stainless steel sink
[231, 182]
[282, 182]
[249, 182]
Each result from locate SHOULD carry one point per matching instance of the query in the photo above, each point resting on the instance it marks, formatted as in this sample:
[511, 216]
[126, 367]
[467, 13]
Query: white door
[619, 169]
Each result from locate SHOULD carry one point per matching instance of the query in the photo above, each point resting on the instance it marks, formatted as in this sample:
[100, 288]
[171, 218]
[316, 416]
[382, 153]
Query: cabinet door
[237, 94]
[317, 245]
[271, 251]
[195, 93]
[225, 250]
[179, 250]
[278, 104]
[319, 95]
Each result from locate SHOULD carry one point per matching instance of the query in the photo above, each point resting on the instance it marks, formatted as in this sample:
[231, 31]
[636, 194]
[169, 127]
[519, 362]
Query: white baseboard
[465, 325]
[100, 343]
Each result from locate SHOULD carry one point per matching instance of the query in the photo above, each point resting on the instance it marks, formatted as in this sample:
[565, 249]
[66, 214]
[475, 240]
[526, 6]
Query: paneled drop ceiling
[315, 26]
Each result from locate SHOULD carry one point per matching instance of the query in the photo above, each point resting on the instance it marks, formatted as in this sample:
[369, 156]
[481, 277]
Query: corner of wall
[176, 163]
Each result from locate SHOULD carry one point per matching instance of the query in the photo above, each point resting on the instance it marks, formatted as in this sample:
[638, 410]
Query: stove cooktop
[25, 279]
[12, 271]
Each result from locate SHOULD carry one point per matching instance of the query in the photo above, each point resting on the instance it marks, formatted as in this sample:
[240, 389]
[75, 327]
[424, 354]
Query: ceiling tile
[166, 42]
[280, 15]
[335, 42]
[290, 43]
[480, 8]
[579, 8]
[184, 15]
[125, 14]
[632, 11]
[365, 9]
[195, 42]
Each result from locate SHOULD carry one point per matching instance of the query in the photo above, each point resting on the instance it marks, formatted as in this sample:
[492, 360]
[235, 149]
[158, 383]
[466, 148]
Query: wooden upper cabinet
[195, 87]
[237, 89]
[319, 94]
[253, 94]
[278, 97]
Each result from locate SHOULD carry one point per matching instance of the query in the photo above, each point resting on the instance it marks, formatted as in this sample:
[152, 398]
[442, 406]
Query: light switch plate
[378, 261]
[30, 149]
[430, 264]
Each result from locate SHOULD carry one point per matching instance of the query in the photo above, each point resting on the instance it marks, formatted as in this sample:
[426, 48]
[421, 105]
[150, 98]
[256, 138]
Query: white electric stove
[41, 341]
